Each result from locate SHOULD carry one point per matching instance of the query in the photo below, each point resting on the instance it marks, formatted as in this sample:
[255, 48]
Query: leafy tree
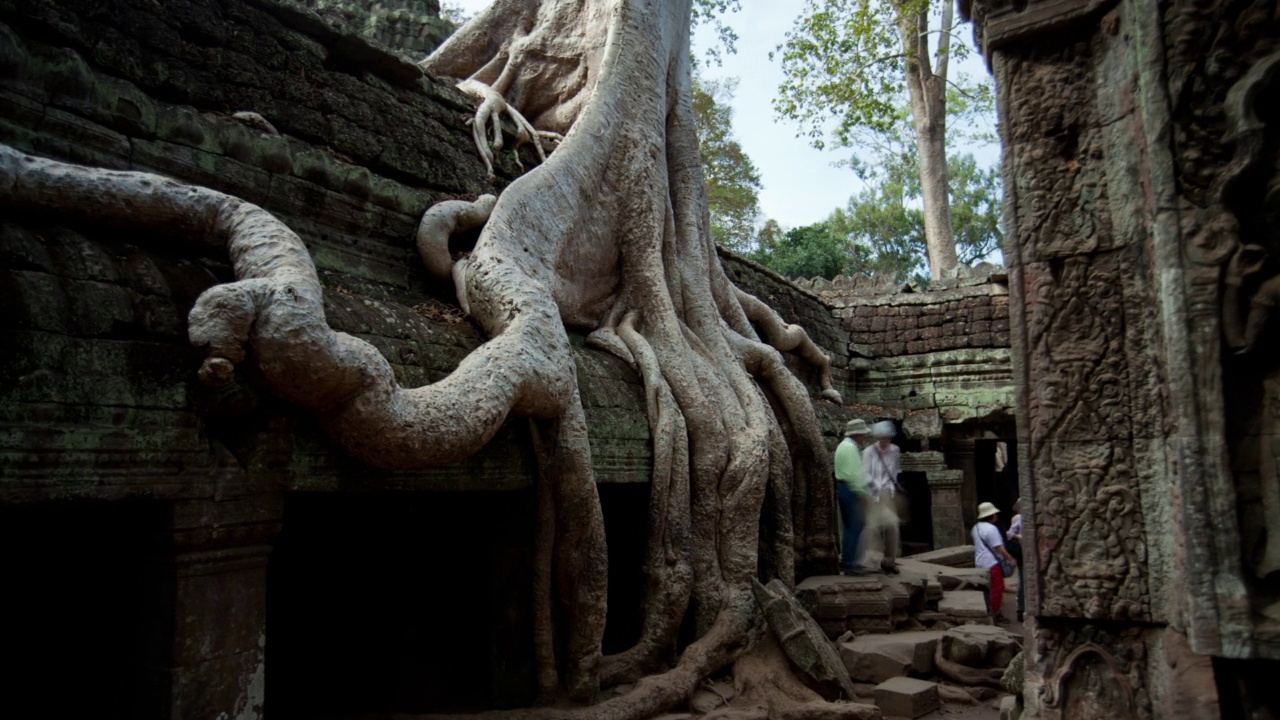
[869, 66]
[733, 182]
[455, 15]
[816, 250]
[881, 231]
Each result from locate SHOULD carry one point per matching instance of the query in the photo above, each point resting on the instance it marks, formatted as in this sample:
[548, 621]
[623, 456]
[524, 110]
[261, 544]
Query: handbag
[1014, 546]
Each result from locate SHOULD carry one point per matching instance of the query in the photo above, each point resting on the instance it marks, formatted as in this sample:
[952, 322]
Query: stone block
[980, 646]
[956, 556]
[950, 578]
[907, 697]
[876, 658]
[963, 604]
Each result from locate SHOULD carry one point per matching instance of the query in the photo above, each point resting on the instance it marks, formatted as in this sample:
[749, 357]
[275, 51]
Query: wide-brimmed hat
[856, 426]
[986, 510]
[883, 429]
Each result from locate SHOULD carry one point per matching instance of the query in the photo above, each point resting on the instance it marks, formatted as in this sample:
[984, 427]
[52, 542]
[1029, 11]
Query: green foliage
[845, 63]
[733, 182]
[810, 251]
[454, 14]
[713, 12]
[881, 231]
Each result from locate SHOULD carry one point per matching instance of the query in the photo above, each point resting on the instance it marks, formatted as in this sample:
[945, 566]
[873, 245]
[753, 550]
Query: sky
[801, 186]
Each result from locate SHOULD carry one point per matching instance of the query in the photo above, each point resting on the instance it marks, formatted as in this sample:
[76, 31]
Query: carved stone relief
[1097, 674]
[1090, 542]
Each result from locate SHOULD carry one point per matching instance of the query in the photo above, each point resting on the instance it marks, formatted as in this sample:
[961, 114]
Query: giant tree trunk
[928, 92]
[609, 235]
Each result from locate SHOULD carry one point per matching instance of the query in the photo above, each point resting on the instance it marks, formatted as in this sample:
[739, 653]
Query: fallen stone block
[963, 604]
[949, 578]
[980, 646]
[957, 556]
[876, 658]
[907, 697]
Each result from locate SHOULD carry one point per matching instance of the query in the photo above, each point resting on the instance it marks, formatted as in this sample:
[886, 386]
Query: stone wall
[1137, 148]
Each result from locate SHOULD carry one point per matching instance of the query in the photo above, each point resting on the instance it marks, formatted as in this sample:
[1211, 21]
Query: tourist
[1013, 543]
[880, 463]
[851, 494]
[989, 553]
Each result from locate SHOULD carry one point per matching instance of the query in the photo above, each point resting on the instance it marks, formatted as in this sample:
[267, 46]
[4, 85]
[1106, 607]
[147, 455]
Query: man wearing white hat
[851, 494]
[989, 553]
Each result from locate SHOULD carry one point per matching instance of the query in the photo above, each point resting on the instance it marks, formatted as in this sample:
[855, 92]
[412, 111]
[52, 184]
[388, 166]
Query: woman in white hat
[989, 553]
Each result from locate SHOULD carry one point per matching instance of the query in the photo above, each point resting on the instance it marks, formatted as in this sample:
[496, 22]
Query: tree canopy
[881, 231]
[863, 74]
[733, 182]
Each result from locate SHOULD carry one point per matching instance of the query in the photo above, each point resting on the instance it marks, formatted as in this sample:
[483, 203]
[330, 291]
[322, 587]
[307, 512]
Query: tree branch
[944, 42]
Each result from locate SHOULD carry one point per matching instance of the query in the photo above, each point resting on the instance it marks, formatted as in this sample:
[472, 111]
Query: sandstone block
[958, 556]
[950, 578]
[980, 646]
[907, 697]
[876, 658]
[963, 604]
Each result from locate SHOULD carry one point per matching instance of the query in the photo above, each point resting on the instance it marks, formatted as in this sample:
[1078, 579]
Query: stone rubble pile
[909, 643]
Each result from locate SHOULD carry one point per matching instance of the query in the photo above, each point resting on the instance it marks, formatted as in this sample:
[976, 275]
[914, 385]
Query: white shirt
[982, 556]
[881, 468]
[1015, 527]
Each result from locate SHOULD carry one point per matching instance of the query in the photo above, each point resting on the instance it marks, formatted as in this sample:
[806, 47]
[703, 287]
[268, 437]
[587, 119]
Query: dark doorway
[917, 525]
[82, 629]
[997, 482]
[414, 602]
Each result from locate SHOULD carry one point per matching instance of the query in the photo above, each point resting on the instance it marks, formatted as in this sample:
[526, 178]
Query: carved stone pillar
[945, 490]
[1094, 265]
[213, 657]
[960, 455]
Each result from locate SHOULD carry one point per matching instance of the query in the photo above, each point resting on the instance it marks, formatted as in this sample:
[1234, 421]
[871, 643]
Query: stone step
[948, 578]
[956, 556]
[964, 606]
[879, 657]
[907, 697]
[980, 646]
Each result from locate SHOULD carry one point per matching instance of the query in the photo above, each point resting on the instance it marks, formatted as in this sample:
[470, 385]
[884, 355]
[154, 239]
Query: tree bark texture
[927, 90]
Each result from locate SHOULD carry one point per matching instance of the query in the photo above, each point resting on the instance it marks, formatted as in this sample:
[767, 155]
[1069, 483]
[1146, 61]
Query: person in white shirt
[988, 549]
[1013, 544]
[880, 462]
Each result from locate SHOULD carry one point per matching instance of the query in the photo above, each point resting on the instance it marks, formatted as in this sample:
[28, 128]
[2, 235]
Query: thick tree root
[789, 338]
[964, 674]
[438, 223]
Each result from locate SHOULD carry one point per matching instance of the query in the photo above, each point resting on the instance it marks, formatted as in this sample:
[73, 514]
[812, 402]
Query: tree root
[964, 674]
[489, 116]
[789, 338]
[438, 223]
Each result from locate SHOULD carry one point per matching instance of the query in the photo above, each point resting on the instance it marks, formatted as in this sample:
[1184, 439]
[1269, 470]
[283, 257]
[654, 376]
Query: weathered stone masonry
[1138, 158]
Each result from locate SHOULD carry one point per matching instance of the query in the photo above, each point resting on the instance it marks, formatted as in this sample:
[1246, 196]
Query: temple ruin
[182, 549]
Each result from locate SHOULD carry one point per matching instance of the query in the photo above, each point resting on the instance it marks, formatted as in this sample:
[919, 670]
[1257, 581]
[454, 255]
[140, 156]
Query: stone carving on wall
[1090, 532]
[1098, 675]
[1251, 187]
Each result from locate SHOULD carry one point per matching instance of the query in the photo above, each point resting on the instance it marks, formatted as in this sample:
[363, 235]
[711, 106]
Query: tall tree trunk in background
[928, 90]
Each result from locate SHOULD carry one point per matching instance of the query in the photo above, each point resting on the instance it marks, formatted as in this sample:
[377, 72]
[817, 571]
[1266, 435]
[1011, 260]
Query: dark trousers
[851, 523]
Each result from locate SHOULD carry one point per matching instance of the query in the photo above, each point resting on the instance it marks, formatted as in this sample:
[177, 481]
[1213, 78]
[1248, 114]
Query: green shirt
[849, 466]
